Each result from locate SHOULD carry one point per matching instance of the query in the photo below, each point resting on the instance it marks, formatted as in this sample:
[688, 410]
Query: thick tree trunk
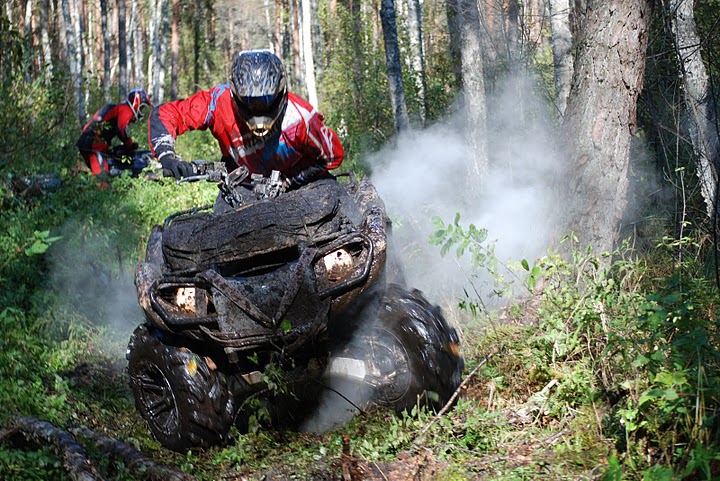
[698, 100]
[562, 51]
[473, 81]
[392, 60]
[600, 119]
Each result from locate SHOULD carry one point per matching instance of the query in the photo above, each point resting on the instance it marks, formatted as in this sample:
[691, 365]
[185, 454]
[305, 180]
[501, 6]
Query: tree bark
[415, 30]
[107, 49]
[601, 117]
[75, 71]
[392, 61]
[308, 53]
[562, 51]
[296, 71]
[45, 38]
[473, 80]
[122, 50]
[698, 100]
[174, 49]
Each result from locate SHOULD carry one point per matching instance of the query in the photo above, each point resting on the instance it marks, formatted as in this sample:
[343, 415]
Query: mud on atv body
[254, 311]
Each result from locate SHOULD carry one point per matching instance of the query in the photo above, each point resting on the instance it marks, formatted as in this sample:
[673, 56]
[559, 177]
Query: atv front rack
[204, 315]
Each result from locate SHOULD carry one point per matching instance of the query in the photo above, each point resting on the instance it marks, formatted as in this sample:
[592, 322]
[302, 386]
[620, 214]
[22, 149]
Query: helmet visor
[261, 112]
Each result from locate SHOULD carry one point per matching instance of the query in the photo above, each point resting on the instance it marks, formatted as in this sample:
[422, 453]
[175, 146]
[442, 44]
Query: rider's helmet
[259, 89]
[139, 103]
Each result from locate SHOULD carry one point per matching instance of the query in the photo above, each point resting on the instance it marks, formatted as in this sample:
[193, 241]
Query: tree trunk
[394, 69]
[600, 119]
[473, 81]
[161, 66]
[175, 49]
[75, 71]
[415, 30]
[196, 44]
[452, 11]
[268, 25]
[45, 38]
[562, 51]
[122, 50]
[308, 53]
[698, 100]
[296, 71]
[107, 49]
[138, 43]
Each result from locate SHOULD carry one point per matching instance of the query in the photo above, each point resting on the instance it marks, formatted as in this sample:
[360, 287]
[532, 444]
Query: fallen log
[73, 454]
[133, 458]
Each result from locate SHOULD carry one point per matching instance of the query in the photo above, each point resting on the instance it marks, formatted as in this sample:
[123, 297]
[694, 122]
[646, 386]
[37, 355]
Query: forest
[551, 171]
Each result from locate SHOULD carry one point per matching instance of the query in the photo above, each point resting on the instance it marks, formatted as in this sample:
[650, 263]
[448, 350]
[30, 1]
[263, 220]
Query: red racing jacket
[109, 122]
[304, 145]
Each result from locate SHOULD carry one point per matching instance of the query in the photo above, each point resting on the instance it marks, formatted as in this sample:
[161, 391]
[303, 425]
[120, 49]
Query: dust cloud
[425, 174]
[92, 280]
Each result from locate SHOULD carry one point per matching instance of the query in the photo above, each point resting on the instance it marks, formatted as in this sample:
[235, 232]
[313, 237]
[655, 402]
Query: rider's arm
[322, 144]
[124, 118]
[171, 119]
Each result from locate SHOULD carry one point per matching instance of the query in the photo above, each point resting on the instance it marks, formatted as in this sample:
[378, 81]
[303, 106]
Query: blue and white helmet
[259, 88]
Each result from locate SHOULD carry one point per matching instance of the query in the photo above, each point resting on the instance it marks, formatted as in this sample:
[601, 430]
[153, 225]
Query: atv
[258, 305]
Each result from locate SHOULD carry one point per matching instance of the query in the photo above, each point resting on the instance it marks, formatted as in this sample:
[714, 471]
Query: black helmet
[260, 90]
[139, 102]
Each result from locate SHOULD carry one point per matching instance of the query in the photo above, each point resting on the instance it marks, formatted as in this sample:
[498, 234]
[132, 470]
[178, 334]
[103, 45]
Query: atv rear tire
[411, 355]
[185, 403]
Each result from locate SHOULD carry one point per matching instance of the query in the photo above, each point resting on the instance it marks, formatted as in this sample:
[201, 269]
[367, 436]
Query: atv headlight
[338, 264]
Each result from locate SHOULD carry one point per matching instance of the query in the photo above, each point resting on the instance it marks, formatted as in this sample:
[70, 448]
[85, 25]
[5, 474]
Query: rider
[109, 122]
[256, 121]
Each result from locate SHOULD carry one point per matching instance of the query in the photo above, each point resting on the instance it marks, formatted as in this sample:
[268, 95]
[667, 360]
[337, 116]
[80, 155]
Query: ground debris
[133, 458]
[74, 456]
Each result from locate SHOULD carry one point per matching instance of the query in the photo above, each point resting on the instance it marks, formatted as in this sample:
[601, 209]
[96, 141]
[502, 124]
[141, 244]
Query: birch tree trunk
[415, 30]
[45, 39]
[161, 66]
[107, 48]
[308, 53]
[473, 81]
[392, 61]
[122, 50]
[28, 33]
[600, 119]
[79, 54]
[698, 100]
[268, 25]
[75, 71]
[562, 51]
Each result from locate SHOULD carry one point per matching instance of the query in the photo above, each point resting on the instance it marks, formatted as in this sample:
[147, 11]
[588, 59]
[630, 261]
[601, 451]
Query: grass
[599, 375]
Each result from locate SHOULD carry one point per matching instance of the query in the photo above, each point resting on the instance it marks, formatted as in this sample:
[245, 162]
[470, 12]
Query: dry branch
[452, 399]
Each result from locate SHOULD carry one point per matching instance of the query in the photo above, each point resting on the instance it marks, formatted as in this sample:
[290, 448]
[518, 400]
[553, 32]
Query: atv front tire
[185, 403]
[409, 357]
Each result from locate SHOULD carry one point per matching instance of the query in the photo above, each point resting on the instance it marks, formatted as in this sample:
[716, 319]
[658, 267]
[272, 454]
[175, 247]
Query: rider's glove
[130, 150]
[175, 166]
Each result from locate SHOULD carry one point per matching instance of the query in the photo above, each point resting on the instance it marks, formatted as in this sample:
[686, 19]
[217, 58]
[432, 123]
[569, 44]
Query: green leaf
[37, 247]
[285, 325]
[525, 265]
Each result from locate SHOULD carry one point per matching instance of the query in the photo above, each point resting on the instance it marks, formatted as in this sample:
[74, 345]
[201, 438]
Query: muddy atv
[258, 305]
